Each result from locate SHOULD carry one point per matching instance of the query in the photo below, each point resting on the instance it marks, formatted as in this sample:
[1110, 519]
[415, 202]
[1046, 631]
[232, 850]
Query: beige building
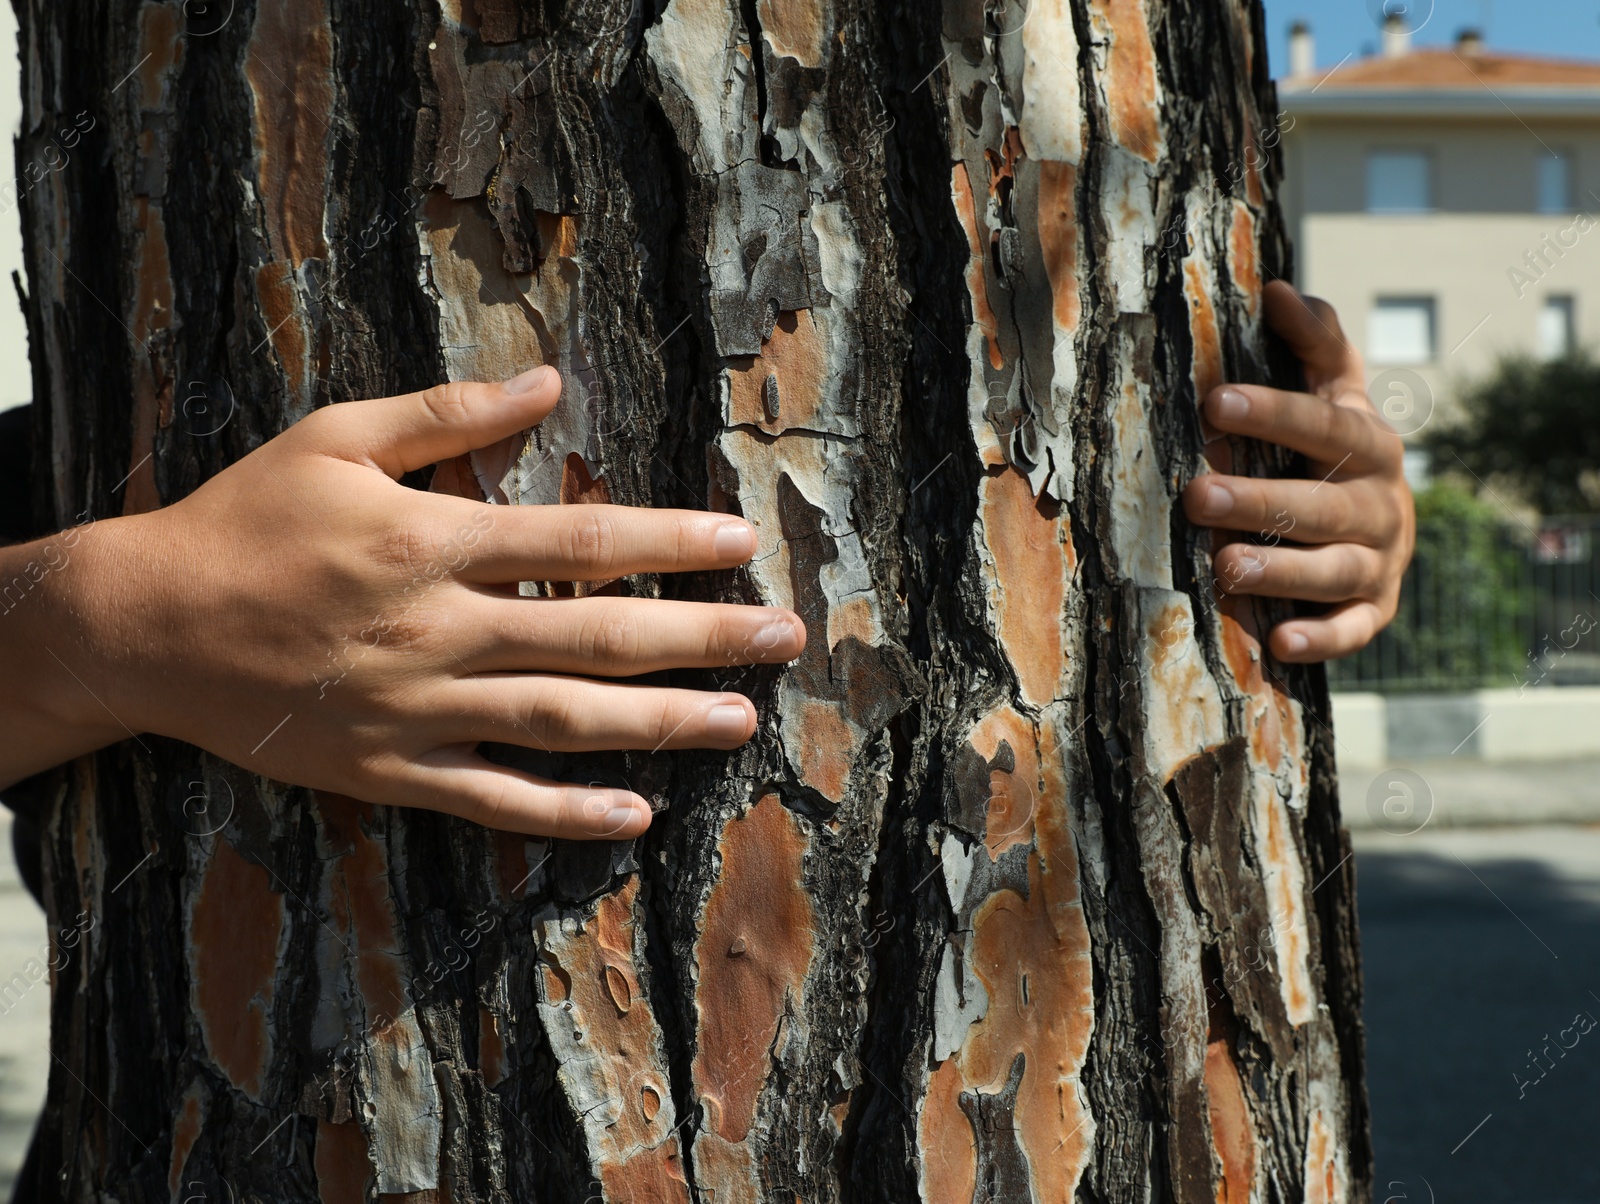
[1441, 200]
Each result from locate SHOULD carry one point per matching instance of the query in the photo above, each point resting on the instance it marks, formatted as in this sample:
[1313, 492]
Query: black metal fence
[1489, 601]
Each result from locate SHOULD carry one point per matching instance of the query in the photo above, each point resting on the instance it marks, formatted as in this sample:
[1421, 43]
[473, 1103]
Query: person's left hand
[1343, 537]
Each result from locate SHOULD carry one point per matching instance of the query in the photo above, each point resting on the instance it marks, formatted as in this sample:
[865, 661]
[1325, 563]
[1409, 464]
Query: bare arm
[307, 617]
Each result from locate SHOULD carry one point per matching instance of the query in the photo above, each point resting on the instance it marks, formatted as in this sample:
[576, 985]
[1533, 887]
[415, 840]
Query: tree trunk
[1031, 885]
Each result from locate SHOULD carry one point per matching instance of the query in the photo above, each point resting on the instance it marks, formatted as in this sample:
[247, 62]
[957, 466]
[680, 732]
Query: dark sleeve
[26, 799]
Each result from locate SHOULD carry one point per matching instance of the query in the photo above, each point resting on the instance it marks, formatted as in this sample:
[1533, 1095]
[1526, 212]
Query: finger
[1343, 630]
[1351, 440]
[1302, 511]
[399, 434]
[1311, 328]
[1335, 572]
[599, 543]
[459, 781]
[623, 637]
[574, 714]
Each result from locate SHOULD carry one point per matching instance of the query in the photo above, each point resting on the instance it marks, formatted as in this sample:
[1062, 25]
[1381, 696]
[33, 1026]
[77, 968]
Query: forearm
[49, 709]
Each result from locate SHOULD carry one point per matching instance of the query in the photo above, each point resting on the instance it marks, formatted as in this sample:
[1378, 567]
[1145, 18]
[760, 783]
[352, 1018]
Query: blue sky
[1569, 28]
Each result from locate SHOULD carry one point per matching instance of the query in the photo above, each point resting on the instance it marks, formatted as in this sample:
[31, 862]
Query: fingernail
[1251, 566]
[1232, 405]
[779, 631]
[623, 818]
[530, 380]
[1295, 643]
[726, 721]
[734, 540]
[1218, 501]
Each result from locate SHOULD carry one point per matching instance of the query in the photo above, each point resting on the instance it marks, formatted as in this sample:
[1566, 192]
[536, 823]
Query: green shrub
[1464, 607]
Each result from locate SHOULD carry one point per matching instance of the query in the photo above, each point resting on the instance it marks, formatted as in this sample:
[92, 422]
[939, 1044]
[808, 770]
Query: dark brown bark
[1031, 884]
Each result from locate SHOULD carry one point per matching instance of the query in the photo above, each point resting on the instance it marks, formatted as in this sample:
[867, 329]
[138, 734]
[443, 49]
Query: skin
[305, 616]
[1344, 535]
[304, 581]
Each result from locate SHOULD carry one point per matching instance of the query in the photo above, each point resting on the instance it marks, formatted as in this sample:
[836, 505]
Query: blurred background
[1443, 164]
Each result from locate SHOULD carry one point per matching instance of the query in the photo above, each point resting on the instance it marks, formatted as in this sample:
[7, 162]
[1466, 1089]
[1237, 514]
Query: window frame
[1567, 304]
[1428, 304]
[1563, 155]
[1430, 182]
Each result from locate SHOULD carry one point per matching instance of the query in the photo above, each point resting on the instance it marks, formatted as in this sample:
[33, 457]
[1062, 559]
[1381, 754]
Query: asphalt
[1481, 949]
[24, 1015]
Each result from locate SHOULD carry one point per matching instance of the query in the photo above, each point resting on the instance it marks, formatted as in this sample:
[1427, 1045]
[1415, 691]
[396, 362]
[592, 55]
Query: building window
[1555, 328]
[1400, 331]
[1399, 182]
[1554, 178]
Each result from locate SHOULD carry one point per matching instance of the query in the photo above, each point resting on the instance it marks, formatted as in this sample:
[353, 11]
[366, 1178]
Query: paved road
[24, 1015]
[1481, 946]
[1482, 949]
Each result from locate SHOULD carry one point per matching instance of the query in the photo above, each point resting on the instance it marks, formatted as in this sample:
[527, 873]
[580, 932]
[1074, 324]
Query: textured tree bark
[1031, 885]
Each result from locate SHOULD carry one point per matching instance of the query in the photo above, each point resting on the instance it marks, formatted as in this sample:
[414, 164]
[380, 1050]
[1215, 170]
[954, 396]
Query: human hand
[1353, 520]
[305, 616]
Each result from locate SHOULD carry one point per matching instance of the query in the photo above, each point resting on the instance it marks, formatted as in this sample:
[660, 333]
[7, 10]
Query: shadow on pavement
[1474, 969]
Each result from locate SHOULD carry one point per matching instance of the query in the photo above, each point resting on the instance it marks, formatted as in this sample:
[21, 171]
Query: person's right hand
[305, 616]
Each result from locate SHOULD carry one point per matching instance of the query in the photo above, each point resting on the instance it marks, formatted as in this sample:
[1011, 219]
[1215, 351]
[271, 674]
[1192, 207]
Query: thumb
[399, 434]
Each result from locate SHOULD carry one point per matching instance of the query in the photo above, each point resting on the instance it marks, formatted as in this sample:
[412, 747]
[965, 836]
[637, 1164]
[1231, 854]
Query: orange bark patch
[1013, 795]
[361, 904]
[1206, 371]
[756, 941]
[185, 1131]
[1243, 261]
[1232, 1133]
[578, 487]
[160, 48]
[977, 282]
[639, 1158]
[1030, 583]
[1002, 165]
[944, 1137]
[852, 617]
[289, 64]
[234, 930]
[796, 28]
[558, 235]
[1130, 78]
[1324, 1178]
[1058, 240]
[831, 744]
[1242, 648]
[1032, 957]
[654, 1175]
[795, 358]
[342, 1166]
[1284, 884]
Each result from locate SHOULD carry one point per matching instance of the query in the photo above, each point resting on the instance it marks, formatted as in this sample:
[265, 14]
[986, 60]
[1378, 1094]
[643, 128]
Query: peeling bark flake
[289, 64]
[1232, 1132]
[796, 28]
[233, 967]
[344, 1173]
[1028, 949]
[1031, 551]
[612, 1066]
[191, 1120]
[1133, 95]
[760, 907]
[977, 282]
